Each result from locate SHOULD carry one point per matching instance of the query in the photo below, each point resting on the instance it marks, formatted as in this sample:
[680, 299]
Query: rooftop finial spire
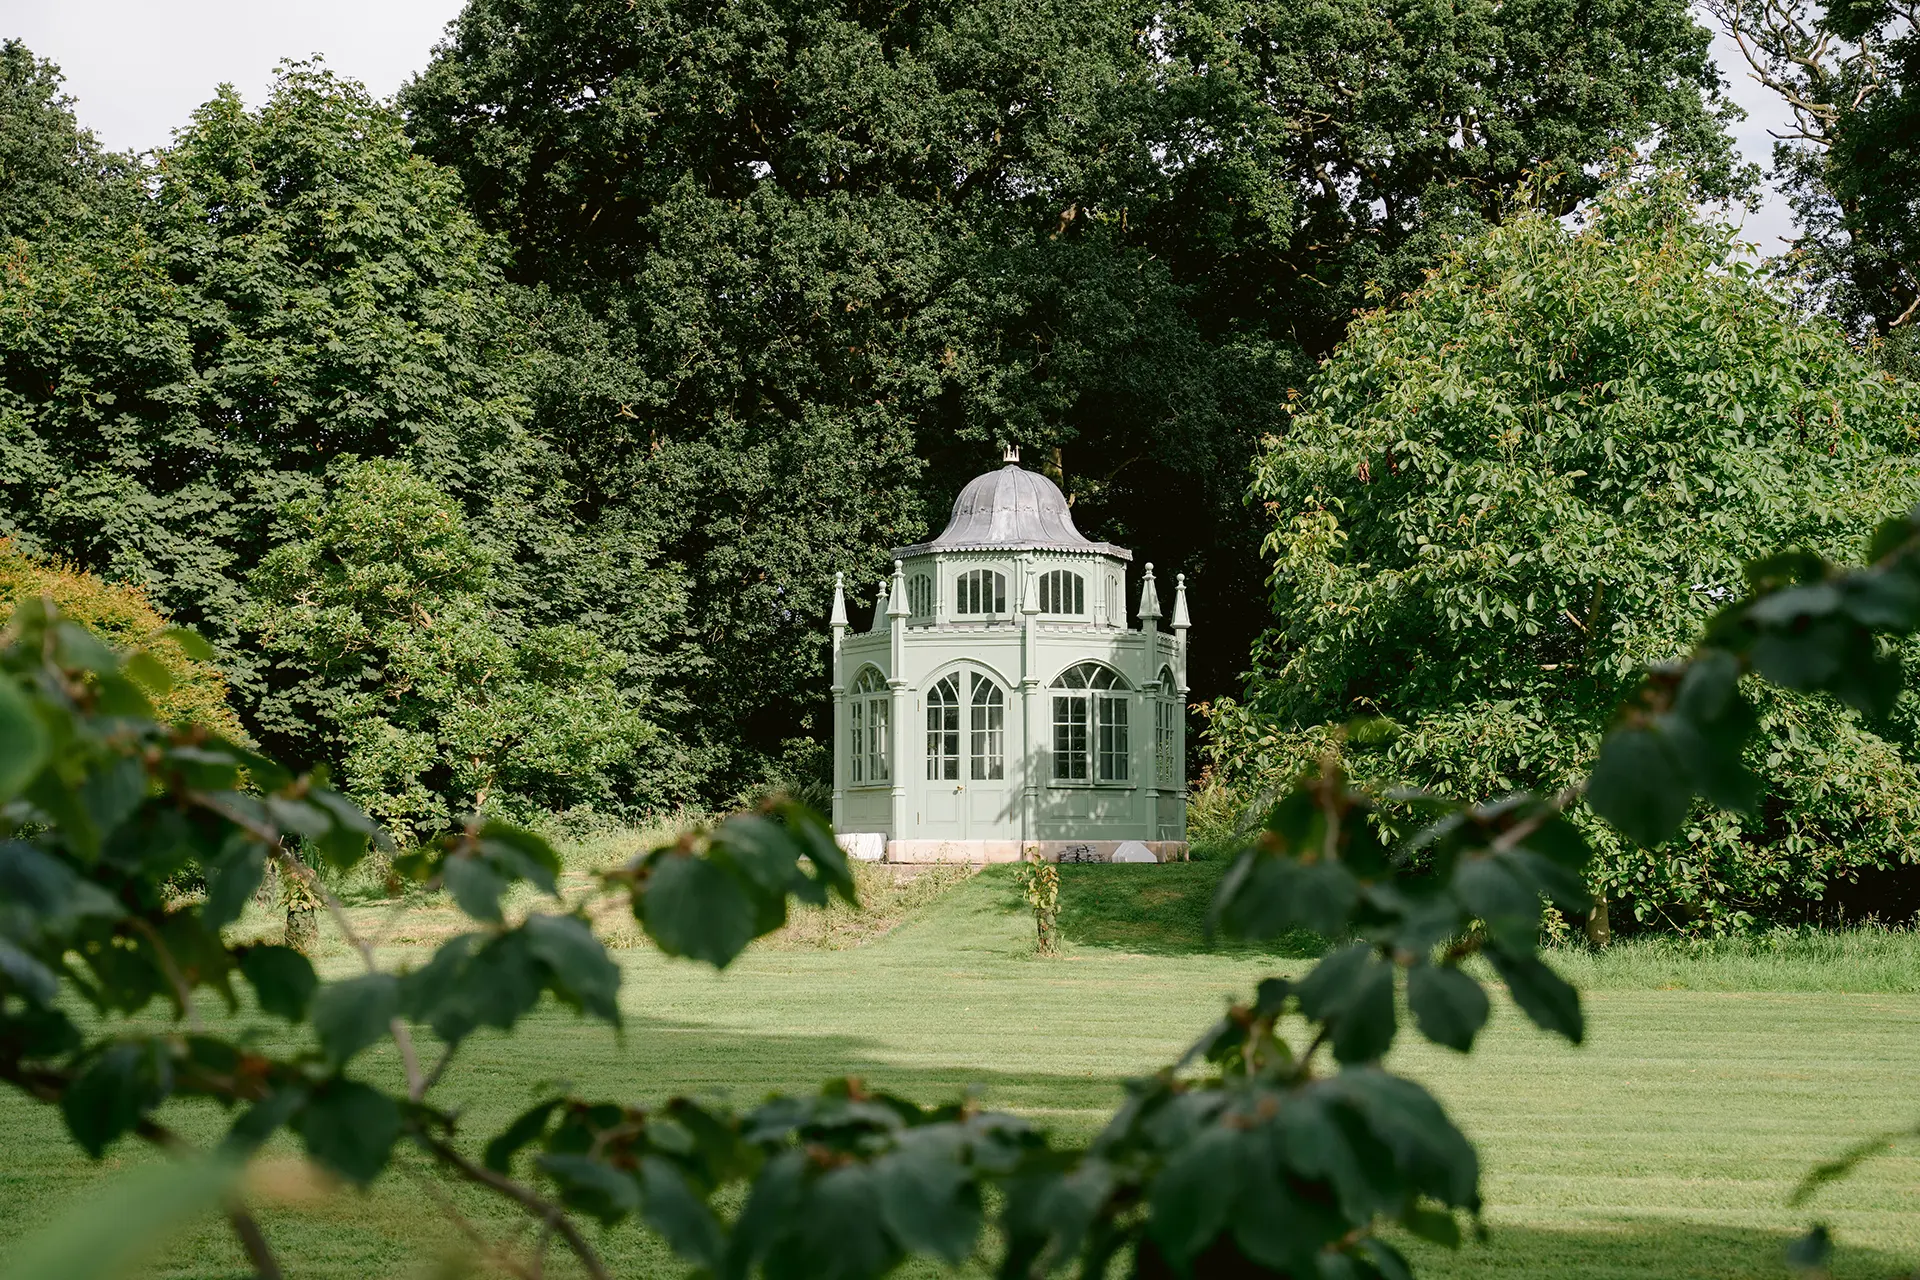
[897, 598]
[1011, 455]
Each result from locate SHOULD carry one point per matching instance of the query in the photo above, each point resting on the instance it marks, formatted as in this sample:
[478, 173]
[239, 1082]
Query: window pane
[1113, 739]
[1070, 737]
[1062, 592]
[987, 730]
[980, 591]
[878, 742]
[943, 729]
[1166, 740]
[856, 739]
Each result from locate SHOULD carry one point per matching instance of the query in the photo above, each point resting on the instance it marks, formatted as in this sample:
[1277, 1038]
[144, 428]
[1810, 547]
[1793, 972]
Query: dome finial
[1011, 455]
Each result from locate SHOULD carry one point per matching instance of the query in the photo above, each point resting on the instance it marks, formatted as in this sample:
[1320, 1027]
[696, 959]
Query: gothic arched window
[1089, 725]
[1166, 729]
[920, 595]
[943, 729]
[868, 708]
[987, 744]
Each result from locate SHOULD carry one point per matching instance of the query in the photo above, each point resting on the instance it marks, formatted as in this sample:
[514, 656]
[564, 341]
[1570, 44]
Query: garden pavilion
[1000, 702]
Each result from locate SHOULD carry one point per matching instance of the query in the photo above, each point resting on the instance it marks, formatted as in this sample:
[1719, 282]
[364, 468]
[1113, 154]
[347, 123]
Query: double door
[968, 794]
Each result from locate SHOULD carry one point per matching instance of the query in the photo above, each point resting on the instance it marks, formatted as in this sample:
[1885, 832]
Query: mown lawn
[1663, 1148]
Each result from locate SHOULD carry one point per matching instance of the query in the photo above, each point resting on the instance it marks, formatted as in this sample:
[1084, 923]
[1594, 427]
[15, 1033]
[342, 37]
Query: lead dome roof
[1012, 509]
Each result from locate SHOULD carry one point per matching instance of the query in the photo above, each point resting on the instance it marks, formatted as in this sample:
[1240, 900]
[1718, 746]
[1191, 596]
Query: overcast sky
[138, 67]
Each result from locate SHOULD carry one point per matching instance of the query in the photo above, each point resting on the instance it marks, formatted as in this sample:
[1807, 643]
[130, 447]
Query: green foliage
[145, 1206]
[294, 285]
[52, 171]
[771, 282]
[189, 689]
[1040, 886]
[1807, 624]
[389, 657]
[1502, 501]
[851, 1183]
[818, 261]
[108, 803]
[298, 286]
[1849, 168]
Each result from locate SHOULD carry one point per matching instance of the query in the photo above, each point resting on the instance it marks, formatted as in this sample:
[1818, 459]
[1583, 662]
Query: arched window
[1166, 730]
[987, 744]
[867, 712]
[943, 729]
[1089, 725]
[981, 591]
[1062, 591]
[920, 595]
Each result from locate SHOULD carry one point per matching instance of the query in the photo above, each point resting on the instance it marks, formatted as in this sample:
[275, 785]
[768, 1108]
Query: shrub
[377, 609]
[121, 615]
[1500, 502]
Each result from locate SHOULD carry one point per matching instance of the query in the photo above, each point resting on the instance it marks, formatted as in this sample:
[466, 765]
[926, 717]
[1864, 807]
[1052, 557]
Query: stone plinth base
[979, 852]
[866, 846]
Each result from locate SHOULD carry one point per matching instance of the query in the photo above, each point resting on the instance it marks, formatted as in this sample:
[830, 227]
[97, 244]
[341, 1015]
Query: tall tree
[1850, 164]
[388, 649]
[1502, 502]
[52, 171]
[294, 285]
[842, 252]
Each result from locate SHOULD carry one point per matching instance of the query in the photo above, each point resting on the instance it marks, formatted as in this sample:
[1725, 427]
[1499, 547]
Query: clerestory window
[1062, 591]
[868, 710]
[980, 591]
[1089, 725]
[920, 595]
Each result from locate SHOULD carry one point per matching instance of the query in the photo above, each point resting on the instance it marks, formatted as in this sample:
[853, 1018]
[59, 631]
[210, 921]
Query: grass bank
[1665, 1147]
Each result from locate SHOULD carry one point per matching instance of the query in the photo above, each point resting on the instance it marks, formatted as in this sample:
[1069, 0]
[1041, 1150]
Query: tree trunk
[303, 928]
[1599, 931]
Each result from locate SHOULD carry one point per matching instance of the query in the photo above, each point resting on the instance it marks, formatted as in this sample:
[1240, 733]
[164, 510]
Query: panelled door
[967, 793]
[991, 812]
[943, 813]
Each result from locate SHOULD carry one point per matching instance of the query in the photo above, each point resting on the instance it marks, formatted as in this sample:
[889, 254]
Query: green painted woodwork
[1000, 693]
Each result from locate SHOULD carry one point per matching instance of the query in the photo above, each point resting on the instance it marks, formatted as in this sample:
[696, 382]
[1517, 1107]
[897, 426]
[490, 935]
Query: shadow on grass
[1638, 1249]
[388, 1232]
[662, 1058]
[1156, 910]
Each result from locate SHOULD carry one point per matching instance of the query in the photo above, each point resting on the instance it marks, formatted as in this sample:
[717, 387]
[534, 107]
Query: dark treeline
[676, 309]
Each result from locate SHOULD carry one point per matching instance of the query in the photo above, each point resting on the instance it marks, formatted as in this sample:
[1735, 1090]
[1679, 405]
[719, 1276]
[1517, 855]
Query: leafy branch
[1261, 1151]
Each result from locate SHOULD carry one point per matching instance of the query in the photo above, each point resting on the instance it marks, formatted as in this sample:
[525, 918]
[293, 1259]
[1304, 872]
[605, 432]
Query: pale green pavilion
[1001, 701]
